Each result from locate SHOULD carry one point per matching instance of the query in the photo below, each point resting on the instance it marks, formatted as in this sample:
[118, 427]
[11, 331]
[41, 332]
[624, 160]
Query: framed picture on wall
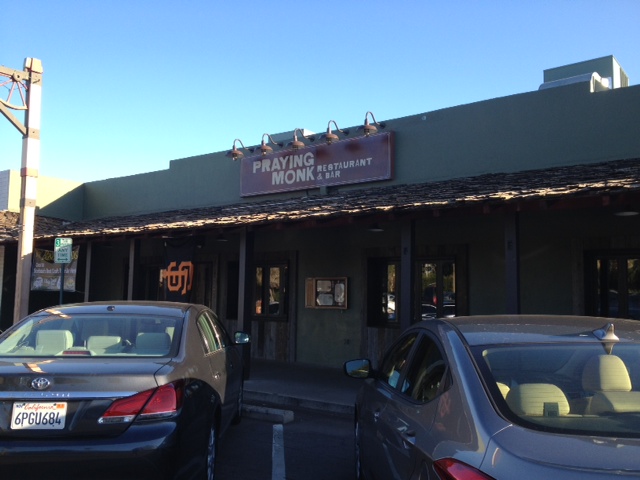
[326, 292]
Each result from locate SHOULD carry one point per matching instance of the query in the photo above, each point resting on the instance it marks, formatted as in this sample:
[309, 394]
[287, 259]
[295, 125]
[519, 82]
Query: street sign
[63, 250]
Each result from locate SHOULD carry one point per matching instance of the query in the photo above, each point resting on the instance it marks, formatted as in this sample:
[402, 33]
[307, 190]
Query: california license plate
[38, 416]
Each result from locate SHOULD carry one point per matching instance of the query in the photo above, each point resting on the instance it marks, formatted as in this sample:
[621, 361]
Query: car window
[211, 341]
[396, 360]
[426, 372]
[580, 389]
[88, 335]
[219, 330]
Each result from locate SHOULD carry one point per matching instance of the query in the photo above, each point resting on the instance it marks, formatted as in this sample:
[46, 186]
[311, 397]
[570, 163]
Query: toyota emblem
[40, 383]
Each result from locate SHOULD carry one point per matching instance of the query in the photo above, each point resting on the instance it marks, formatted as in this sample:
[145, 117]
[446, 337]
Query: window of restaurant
[613, 284]
[270, 291]
[435, 293]
[269, 295]
[383, 277]
[436, 288]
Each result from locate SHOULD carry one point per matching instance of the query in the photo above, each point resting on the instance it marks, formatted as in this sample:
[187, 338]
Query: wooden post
[407, 281]
[512, 263]
[245, 293]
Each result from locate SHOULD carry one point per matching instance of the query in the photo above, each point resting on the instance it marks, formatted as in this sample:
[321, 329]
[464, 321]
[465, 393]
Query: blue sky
[129, 85]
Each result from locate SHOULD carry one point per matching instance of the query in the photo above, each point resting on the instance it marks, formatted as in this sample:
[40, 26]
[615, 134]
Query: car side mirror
[359, 368]
[241, 338]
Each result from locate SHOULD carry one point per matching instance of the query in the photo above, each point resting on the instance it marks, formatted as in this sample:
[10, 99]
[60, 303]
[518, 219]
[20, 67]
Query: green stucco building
[527, 203]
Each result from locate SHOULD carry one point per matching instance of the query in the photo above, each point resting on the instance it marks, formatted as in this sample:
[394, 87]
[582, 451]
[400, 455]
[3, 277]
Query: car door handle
[408, 438]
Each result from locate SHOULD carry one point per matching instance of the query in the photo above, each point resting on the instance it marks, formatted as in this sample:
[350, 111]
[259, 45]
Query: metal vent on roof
[603, 73]
[596, 82]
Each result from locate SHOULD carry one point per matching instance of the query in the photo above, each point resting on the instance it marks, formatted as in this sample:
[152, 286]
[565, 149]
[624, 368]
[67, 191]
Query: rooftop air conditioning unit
[597, 83]
[604, 73]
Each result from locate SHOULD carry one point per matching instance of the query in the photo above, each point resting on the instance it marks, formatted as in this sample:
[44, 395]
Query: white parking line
[277, 453]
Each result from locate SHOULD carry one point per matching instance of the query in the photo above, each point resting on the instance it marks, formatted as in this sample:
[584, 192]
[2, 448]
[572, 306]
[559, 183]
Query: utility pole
[26, 87]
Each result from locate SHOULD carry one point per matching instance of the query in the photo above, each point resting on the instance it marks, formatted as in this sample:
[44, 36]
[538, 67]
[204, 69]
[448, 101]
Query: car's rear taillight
[451, 469]
[160, 402]
[166, 400]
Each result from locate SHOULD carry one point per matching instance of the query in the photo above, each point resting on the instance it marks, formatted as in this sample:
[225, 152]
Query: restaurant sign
[357, 160]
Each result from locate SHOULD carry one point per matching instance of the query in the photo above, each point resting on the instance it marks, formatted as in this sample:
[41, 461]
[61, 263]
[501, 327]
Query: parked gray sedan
[502, 397]
[117, 390]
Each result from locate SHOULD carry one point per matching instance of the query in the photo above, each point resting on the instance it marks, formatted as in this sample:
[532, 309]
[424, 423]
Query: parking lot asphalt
[274, 389]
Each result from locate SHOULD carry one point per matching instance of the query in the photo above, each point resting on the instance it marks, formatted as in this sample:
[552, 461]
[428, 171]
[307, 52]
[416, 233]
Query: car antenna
[607, 336]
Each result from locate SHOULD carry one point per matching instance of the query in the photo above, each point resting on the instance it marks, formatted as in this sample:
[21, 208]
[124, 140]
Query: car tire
[211, 453]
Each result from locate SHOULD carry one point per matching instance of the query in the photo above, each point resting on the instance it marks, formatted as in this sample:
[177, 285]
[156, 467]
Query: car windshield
[56, 334]
[588, 389]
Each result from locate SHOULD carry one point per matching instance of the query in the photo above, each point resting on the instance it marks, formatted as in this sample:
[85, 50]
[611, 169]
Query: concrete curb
[263, 398]
[268, 414]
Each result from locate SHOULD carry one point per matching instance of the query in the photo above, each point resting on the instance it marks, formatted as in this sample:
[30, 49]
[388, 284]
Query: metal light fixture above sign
[266, 149]
[297, 144]
[331, 137]
[370, 129]
[235, 153]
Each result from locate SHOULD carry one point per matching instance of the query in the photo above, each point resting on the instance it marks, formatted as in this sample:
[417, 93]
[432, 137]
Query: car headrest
[153, 342]
[537, 399]
[53, 341]
[606, 373]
